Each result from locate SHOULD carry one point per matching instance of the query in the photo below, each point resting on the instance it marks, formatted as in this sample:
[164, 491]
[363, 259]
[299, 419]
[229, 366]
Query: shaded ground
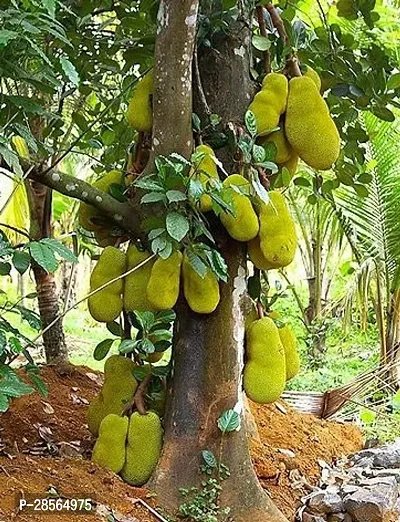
[45, 443]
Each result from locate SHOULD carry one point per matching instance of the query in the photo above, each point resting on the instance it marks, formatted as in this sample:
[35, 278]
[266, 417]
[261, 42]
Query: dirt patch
[285, 458]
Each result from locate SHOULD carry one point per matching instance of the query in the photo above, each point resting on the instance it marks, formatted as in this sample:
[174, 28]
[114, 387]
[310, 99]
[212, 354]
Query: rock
[326, 501]
[308, 517]
[394, 472]
[339, 517]
[376, 481]
[371, 504]
[382, 457]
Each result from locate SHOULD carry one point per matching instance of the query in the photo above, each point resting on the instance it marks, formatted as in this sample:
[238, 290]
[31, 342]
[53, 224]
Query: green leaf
[197, 264]
[262, 43]
[229, 421]
[6, 36]
[254, 287]
[30, 316]
[33, 373]
[57, 247]
[196, 122]
[259, 154]
[177, 225]
[5, 268]
[14, 387]
[102, 349]
[166, 251]
[209, 458]
[166, 316]
[251, 123]
[4, 403]
[21, 261]
[394, 81]
[161, 335]
[127, 346]
[153, 197]
[50, 6]
[174, 196]
[383, 113]
[44, 256]
[361, 190]
[15, 345]
[69, 70]
[146, 346]
[114, 328]
[367, 416]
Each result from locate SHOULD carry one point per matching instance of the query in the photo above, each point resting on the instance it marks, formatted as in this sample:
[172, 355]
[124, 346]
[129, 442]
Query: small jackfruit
[163, 286]
[311, 73]
[109, 450]
[309, 126]
[256, 256]
[143, 450]
[283, 148]
[140, 110]
[201, 294]
[106, 305]
[87, 213]
[278, 240]
[135, 294]
[292, 356]
[244, 225]
[117, 391]
[205, 170]
[265, 371]
[270, 102]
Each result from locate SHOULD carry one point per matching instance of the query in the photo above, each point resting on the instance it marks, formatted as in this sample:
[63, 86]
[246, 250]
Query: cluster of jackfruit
[92, 220]
[294, 117]
[275, 245]
[140, 109]
[272, 358]
[205, 171]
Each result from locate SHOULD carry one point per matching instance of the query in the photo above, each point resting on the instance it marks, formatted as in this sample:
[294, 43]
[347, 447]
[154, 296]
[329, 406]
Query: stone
[309, 517]
[382, 457]
[376, 481]
[339, 517]
[371, 504]
[326, 501]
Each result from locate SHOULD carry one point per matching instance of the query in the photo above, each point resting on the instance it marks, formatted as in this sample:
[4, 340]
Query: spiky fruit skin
[309, 127]
[163, 286]
[86, 212]
[314, 76]
[278, 240]
[244, 225]
[143, 450]
[118, 390]
[264, 375]
[251, 317]
[256, 256]
[201, 294]
[292, 356]
[140, 111]
[135, 295]
[205, 171]
[270, 102]
[283, 148]
[106, 305]
[109, 450]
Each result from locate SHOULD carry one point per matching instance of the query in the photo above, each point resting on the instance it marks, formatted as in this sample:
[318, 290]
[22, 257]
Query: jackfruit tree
[196, 216]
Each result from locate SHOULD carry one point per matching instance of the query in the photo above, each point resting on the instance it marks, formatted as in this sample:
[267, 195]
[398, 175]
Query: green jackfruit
[201, 294]
[283, 148]
[292, 356]
[270, 102]
[251, 317]
[87, 213]
[244, 225]
[205, 171]
[109, 450]
[309, 127]
[106, 305]
[311, 73]
[140, 110]
[278, 240]
[135, 296]
[256, 256]
[117, 391]
[163, 286]
[265, 371]
[143, 451]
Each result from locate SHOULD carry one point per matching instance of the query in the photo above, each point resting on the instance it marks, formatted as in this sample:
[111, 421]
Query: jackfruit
[140, 110]
[283, 148]
[87, 213]
[163, 286]
[244, 225]
[204, 171]
[117, 391]
[264, 375]
[291, 165]
[251, 317]
[135, 295]
[311, 73]
[201, 294]
[109, 450]
[256, 256]
[107, 304]
[278, 240]
[292, 356]
[270, 102]
[143, 450]
[309, 127]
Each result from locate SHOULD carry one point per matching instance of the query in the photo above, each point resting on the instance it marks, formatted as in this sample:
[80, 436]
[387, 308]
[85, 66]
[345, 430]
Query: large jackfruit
[163, 286]
[277, 232]
[311, 73]
[204, 171]
[283, 148]
[106, 305]
[265, 371]
[201, 294]
[270, 102]
[117, 391]
[135, 295]
[308, 125]
[109, 450]
[244, 225]
[140, 110]
[292, 356]
[87, 213]
[143, 450]
[251, 317]
[256, 256]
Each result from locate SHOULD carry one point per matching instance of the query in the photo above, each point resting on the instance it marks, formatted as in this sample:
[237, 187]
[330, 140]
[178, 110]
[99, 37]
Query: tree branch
[263, 32]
